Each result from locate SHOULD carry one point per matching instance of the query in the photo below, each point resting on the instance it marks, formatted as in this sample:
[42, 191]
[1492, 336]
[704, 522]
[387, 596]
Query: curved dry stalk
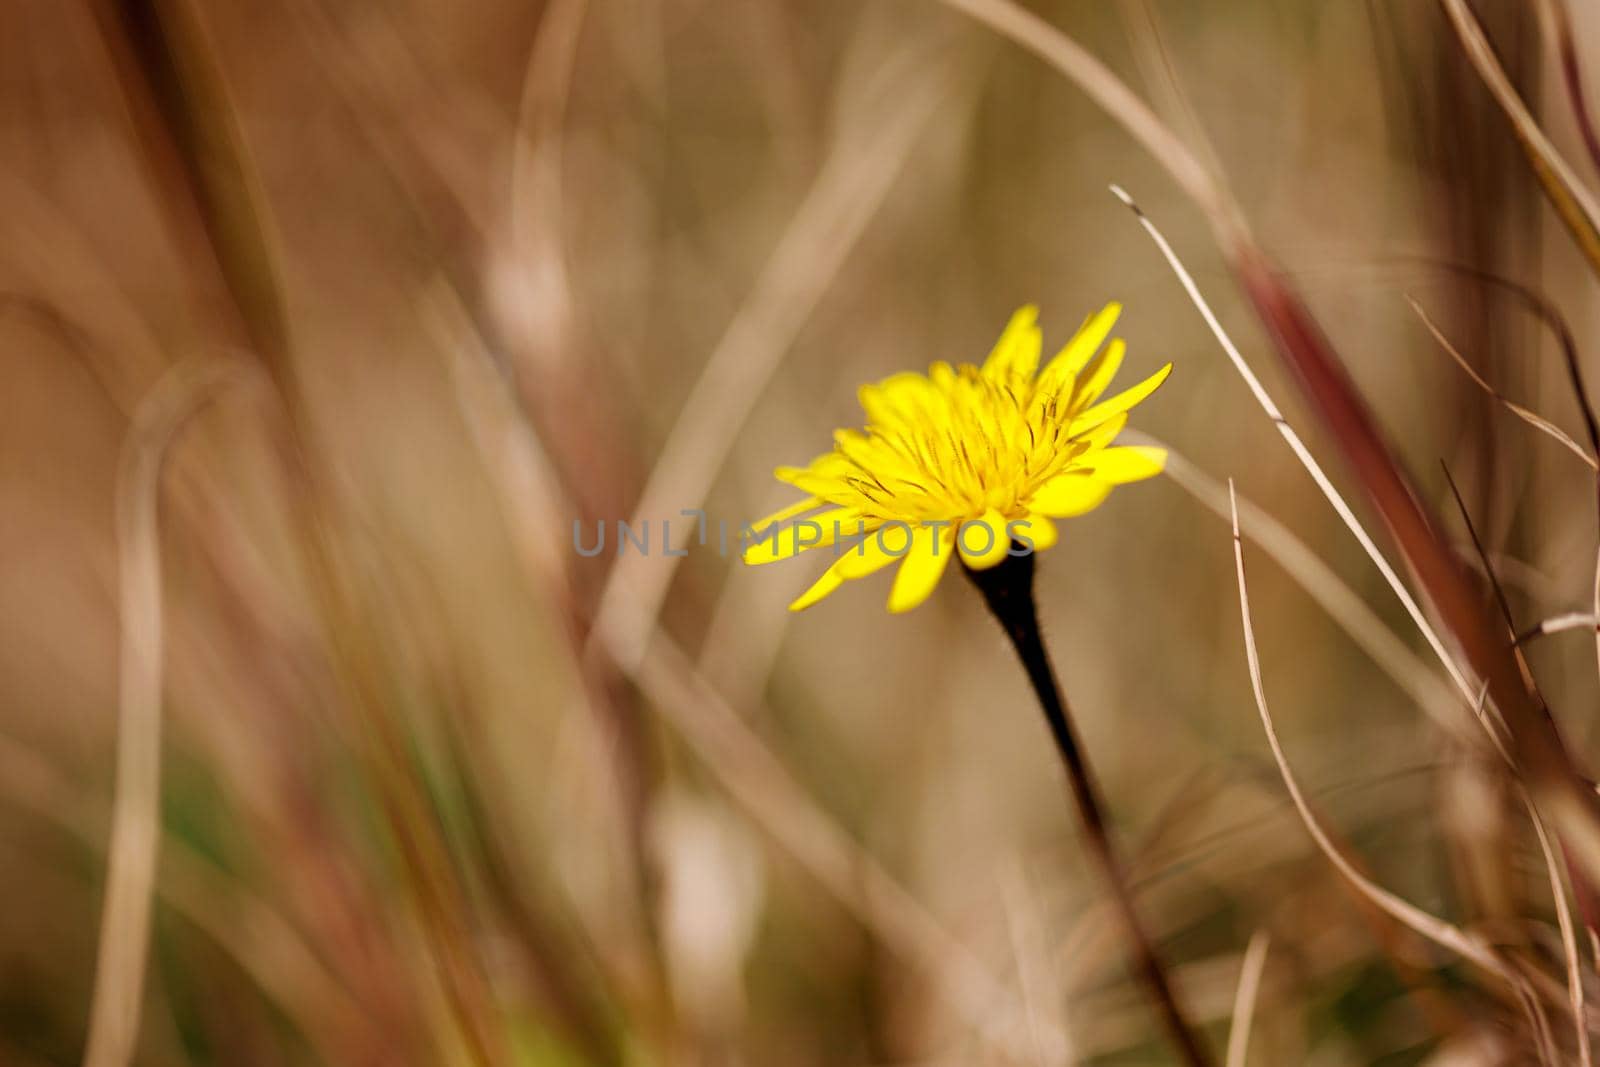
[913, 89]
[264, 944]
[135, 814]
[1161, 76]
[1303, 454]
[1343, 605]
[1532, 418]
[1557, 24]
[1301, 344]
[1572, 201]
[537, 155]
[1555, 624]
[1447, 935]
[760, 782]
[1108, 91]
[1569, 939]
[1557, 891]
[1028, 941]
[1244, 999]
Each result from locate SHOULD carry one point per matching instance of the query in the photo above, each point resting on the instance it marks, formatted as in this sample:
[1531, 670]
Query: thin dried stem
[758, 780]
[1555, 624]
[1572, 201]
[1557, 891]
[135, 814]
[1108, 91]
[1569, 939]
[1244, 999]
[1468, 946]
[1532, 418]
[1303, 454]
[1557, 23]
[1343, 605]
[914, 89]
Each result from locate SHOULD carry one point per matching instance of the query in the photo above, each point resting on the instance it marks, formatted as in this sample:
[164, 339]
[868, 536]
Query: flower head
[975, 461]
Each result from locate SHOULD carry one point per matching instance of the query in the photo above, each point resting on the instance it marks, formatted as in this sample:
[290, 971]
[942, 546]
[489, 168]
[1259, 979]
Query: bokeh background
[401, 293]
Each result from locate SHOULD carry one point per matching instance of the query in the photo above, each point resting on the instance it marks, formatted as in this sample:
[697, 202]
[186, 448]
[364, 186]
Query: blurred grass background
[414, 807]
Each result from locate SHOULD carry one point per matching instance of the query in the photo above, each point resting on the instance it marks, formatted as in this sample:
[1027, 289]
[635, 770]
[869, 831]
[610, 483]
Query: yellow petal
[918, 575]
[1103, 434]
[1017, 351]
[1035, 531]
[1099, 374]
[1086, 342]
[1119, 403]
[820, 477]
[831, 579]
[1068, 495]
[798, 508]
[877, 550]
[1129, 463]
[983, 542]
[819, 531]
[883, 401]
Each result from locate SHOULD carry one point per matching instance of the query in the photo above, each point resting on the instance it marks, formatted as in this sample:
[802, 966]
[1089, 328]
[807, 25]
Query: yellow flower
[965, 460]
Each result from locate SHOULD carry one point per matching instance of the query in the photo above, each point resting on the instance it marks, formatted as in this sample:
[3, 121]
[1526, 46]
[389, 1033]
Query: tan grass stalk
[761, 784]
[1244, 1000]
[1571, 199]
[1557, 25]
[1532, 418]
[1555, 624]
[135, 814]
[1343, 605]
[1303, 454]
[1539, 750]
[1447, 935]
[911, 91]
[266, 946]
[1030, 946]
[199, 169]
[1033, 33]
[1569, 939]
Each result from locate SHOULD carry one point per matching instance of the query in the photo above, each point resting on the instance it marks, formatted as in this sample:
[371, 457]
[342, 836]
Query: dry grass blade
[1444, 934]
[1323, 584]
[760, 782]
[1572, 201]
[1244, 1000]
[1557, 25]
[1299, 341]
[913, 89]
[1558, 894]
[201, 173]
[1537, 747]
[266, 946]
[1031, 948]
[135, 821]
[1155, 63]
[196, 158]
[1555, 624]
[1107, 90]
[1539, 750]
[1532, 418]
[1303, 454]
[1569, 939]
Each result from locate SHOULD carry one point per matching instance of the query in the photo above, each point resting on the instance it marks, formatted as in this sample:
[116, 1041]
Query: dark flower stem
[1008, 590]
